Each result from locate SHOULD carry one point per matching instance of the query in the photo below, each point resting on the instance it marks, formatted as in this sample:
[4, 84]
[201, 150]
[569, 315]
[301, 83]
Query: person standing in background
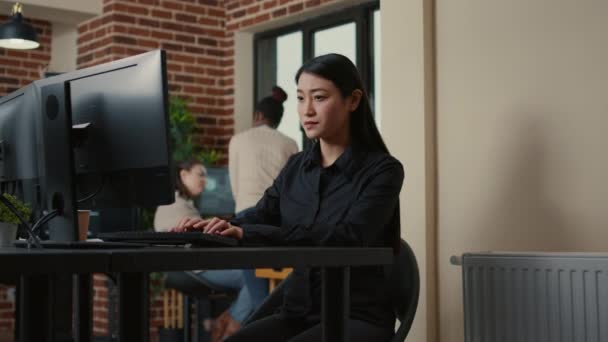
[256, 156]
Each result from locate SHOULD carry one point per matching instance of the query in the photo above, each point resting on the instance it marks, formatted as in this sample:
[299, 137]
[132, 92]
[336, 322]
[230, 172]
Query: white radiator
[541, 297]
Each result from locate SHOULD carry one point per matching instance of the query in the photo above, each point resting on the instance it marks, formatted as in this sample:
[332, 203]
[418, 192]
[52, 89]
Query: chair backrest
[403, 282]
[404, 286]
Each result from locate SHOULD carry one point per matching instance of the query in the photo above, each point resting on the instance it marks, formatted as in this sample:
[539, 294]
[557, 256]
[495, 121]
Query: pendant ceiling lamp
[17, 34]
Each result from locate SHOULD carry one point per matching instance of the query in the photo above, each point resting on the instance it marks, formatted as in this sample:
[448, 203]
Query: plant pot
[8, 234]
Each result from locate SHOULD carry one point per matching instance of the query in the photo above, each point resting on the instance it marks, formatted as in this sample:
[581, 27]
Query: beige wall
[63, 48]
[243, 81]
[521, 124]
[408, 128]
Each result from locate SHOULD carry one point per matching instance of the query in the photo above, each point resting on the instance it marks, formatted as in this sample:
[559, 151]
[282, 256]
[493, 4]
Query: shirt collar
[346, 163]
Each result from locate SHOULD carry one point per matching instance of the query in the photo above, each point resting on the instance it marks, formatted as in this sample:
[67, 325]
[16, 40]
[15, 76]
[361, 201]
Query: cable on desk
[95, 193]
[44, 219]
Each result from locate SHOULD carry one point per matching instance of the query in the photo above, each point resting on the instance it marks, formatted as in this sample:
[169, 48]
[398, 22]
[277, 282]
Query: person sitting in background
[256, 155]
[190, 183]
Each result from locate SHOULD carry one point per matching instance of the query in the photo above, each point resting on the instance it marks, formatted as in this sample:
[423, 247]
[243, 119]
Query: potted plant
[182, 125]
[9, 221]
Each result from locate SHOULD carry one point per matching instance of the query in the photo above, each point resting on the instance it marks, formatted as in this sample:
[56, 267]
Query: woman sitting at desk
[191, 179]
[343, 191]
[190, 183]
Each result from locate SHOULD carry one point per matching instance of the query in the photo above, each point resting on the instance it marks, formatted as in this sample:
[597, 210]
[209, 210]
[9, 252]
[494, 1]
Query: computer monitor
[216, 199]
[105, 134]
[18, 135]
[18, 144]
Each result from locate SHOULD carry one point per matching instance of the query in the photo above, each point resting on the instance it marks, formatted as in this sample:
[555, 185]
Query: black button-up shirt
[353, 202]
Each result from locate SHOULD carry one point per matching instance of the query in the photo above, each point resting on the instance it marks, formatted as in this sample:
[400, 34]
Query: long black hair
[345, 76]
[364, 132]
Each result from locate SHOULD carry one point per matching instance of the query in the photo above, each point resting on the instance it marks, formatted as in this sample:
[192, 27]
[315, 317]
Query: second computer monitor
[18, 114]
[216, 199]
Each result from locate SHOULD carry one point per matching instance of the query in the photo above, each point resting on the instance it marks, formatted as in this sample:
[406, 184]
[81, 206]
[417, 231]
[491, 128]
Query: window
[279, 53]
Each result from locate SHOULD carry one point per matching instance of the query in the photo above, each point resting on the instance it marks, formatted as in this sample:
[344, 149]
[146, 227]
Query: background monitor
[107, 220]
[18, 135]
[18, 145]
[216, 199]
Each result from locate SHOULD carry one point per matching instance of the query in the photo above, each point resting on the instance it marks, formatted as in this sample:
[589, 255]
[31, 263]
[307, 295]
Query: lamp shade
[17, 34]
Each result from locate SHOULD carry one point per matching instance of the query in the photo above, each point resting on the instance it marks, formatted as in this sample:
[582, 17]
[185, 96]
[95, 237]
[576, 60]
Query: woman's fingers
[217, 226]
[189, 224]
[210, 226]
[233, 231]
[180, 225]
[200, 225]
[212, 222]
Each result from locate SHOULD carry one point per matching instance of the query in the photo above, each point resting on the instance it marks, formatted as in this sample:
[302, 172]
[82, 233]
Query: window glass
[289, 59]
[353, 32]
[338, 39]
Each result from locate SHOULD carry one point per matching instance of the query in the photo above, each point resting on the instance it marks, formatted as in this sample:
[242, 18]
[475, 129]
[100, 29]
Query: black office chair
[194, 289]
[403, 280]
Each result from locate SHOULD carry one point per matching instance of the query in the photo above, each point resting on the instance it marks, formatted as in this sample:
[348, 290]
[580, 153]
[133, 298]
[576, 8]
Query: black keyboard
[170, 238]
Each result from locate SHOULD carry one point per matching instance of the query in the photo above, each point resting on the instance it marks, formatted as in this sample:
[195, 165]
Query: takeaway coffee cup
[83, 224]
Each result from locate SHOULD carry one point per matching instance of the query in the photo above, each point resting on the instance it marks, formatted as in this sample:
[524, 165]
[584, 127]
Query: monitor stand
[57, 178]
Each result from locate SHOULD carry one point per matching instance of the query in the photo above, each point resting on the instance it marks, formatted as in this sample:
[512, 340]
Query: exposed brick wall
[193, 35]
[17, 69]
[20, 67]
[198, 36]
[100, 305]
[7, 311]
[241, 14]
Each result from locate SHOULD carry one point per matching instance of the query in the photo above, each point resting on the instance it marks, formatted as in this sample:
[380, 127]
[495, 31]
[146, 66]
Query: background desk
[133, 266]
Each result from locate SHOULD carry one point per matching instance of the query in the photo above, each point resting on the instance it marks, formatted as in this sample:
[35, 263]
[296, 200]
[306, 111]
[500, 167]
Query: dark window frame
[362, 15]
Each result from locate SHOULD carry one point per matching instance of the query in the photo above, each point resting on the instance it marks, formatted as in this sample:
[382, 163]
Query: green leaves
[182, 128]
[6, 215]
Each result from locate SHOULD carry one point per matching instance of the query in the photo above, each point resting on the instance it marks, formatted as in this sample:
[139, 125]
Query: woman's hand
[223, 227]
[188, 224]
[208, 226]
